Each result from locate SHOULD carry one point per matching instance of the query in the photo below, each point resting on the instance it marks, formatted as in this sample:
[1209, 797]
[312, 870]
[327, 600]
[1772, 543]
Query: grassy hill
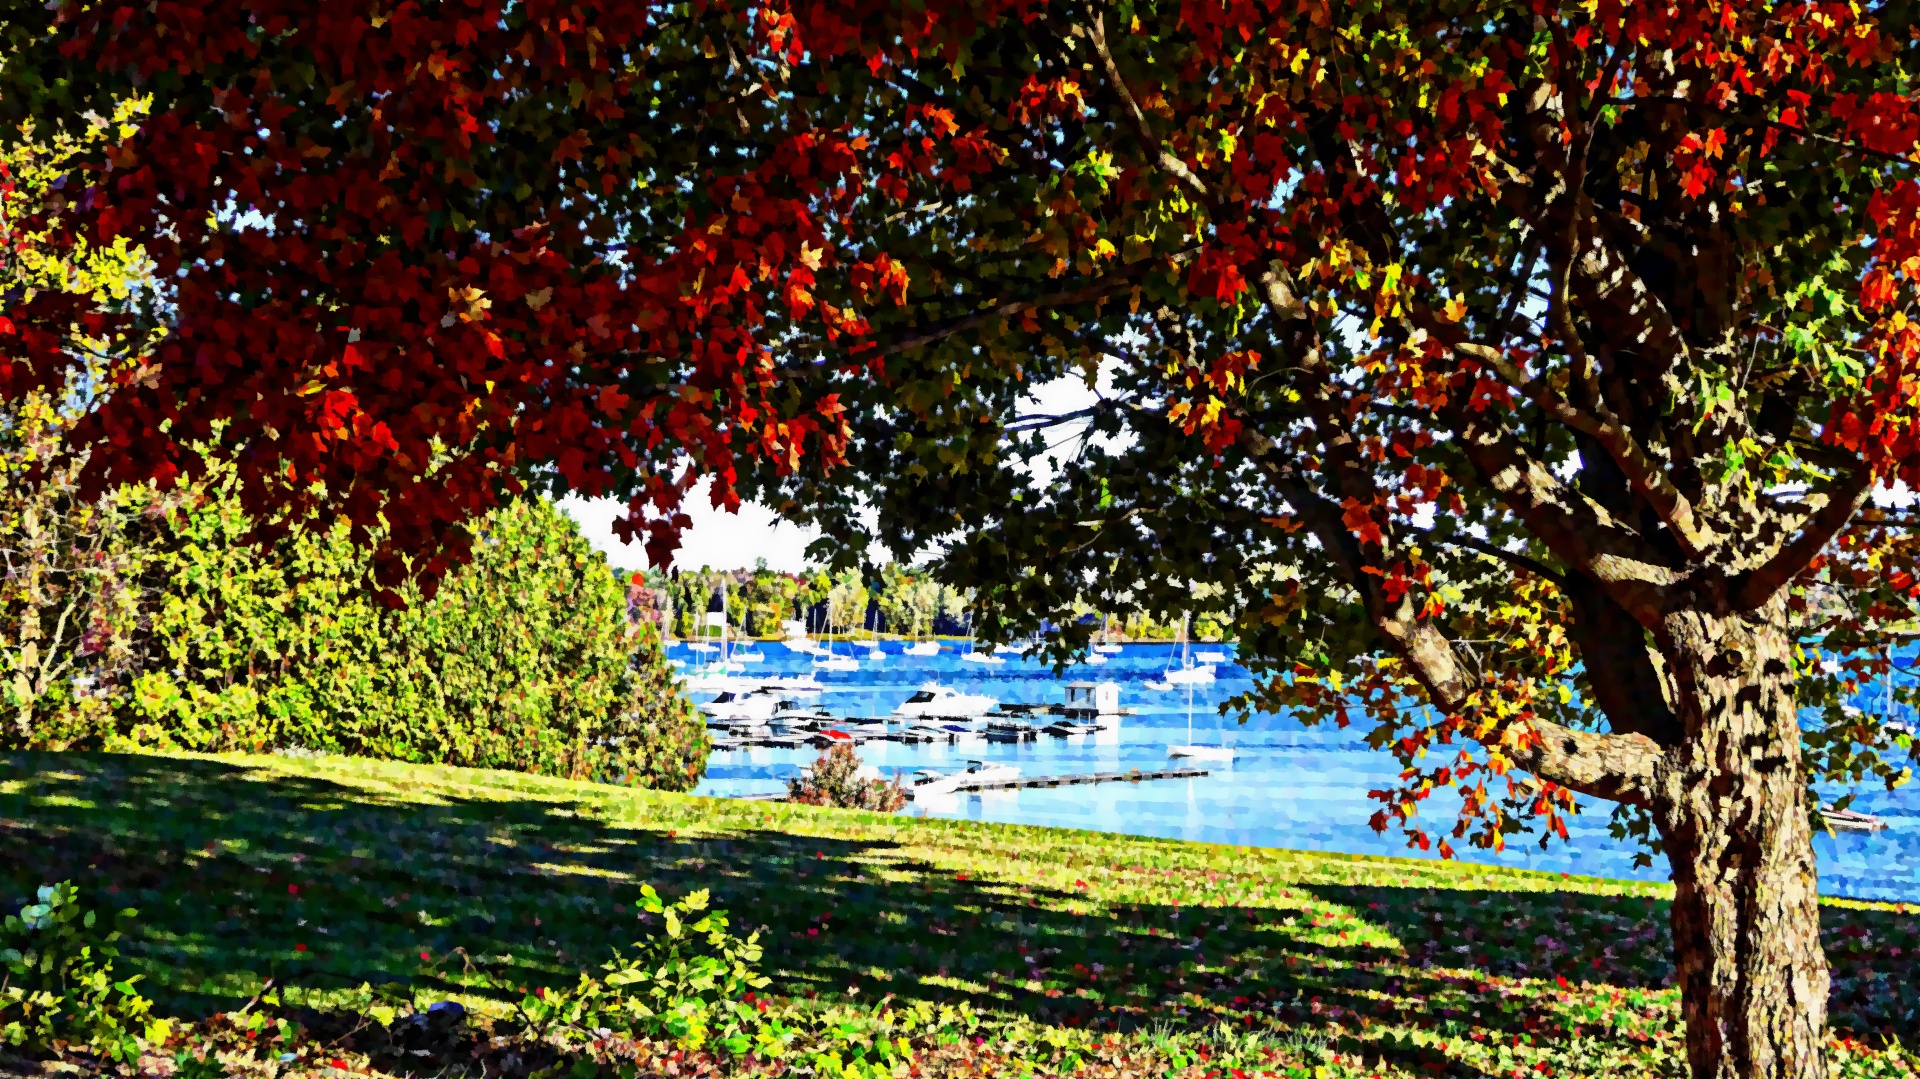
[325, 874]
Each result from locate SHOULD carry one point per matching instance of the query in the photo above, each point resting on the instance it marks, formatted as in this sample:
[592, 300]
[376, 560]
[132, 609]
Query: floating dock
[1134, 776]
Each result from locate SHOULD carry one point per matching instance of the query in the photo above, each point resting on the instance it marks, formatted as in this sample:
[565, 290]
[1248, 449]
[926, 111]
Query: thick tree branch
[1757, 586]
[1618, 767]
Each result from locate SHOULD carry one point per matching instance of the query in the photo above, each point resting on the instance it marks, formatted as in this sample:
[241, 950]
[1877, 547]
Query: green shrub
[59, 982]
[524, 658]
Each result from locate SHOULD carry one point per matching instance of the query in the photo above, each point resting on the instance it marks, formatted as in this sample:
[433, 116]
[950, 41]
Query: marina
[1286, 785]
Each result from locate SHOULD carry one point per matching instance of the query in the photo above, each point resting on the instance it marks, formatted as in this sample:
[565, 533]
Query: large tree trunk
[1730, 808]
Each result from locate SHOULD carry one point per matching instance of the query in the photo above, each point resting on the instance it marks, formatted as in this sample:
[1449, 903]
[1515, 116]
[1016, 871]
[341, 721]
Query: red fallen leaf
[959, 876]
[293, 889]
[341, 1064]
[299, 947]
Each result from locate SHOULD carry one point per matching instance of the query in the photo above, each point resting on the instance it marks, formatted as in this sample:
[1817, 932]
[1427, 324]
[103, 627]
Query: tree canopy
[1525, 369]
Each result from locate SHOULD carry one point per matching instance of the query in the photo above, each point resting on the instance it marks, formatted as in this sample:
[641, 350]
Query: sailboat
[875, 653]
[923, 648]
[1191, 751]
[1106, 647]
[971, 656]
[714, 673]
[827, 661]
[1189, 673]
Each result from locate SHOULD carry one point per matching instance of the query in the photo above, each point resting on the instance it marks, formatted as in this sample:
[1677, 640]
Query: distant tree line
[905, 601]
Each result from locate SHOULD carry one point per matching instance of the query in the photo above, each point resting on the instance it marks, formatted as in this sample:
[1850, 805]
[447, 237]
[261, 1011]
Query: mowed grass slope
[324, 874]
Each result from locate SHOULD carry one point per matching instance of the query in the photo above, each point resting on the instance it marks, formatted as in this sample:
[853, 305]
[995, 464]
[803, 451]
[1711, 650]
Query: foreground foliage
[369, 891]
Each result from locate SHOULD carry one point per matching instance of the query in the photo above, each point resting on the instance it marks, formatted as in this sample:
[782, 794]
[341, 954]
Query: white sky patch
[718, 539]
[1059, 397]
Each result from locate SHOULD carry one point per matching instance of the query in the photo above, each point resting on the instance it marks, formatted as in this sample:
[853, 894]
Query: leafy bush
[524, 659]
[59, 981]
[834, 780]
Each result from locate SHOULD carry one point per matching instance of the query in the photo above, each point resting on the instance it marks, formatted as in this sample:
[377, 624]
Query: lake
[1289, 785]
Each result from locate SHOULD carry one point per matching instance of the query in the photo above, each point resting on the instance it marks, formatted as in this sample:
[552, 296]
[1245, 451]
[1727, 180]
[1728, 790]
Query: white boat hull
[1201, 753]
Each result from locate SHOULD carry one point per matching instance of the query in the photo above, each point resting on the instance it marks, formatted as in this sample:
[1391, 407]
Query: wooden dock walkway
[1134, 776]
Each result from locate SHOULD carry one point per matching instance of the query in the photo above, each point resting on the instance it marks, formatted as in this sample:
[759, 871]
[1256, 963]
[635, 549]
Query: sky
[722, 540]
[717, 539]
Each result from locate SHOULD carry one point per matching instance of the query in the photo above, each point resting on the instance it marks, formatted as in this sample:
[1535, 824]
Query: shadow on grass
[242, 874]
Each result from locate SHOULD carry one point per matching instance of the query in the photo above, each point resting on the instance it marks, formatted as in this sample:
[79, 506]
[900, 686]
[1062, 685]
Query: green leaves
[59, 980]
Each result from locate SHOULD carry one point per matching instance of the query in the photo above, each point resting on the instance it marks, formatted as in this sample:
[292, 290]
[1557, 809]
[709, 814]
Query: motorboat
[758, 705]
[983, 657]
[926, 782]
[1201, 753]
[935, 701]
[1847, 820]
[1095, 659]
[1072, 728]
[797, 638]
[797, 685]
[923, 648]
[977, 773]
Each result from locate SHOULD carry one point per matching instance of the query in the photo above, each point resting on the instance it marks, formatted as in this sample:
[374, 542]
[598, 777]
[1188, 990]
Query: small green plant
[690, 979]
[59, 981]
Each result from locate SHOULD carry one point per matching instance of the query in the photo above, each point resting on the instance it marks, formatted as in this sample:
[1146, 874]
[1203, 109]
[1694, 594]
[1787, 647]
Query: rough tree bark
[1729, 803]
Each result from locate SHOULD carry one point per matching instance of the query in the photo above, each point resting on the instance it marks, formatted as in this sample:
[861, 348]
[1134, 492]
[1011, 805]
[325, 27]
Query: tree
[1523, 371]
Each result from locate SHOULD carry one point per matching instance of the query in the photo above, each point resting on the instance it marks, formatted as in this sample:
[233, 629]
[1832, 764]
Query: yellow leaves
[539, 297]
[469, 304]
[810, 256]
[1104, 249]
[1455, 309]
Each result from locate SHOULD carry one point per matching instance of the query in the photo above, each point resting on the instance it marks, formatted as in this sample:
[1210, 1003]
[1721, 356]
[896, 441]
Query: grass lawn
[326, 873]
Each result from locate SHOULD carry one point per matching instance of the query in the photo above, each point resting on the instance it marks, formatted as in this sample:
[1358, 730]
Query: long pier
[1134, 776]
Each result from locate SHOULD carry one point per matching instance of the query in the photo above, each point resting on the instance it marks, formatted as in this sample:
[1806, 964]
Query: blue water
[1289, 786]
